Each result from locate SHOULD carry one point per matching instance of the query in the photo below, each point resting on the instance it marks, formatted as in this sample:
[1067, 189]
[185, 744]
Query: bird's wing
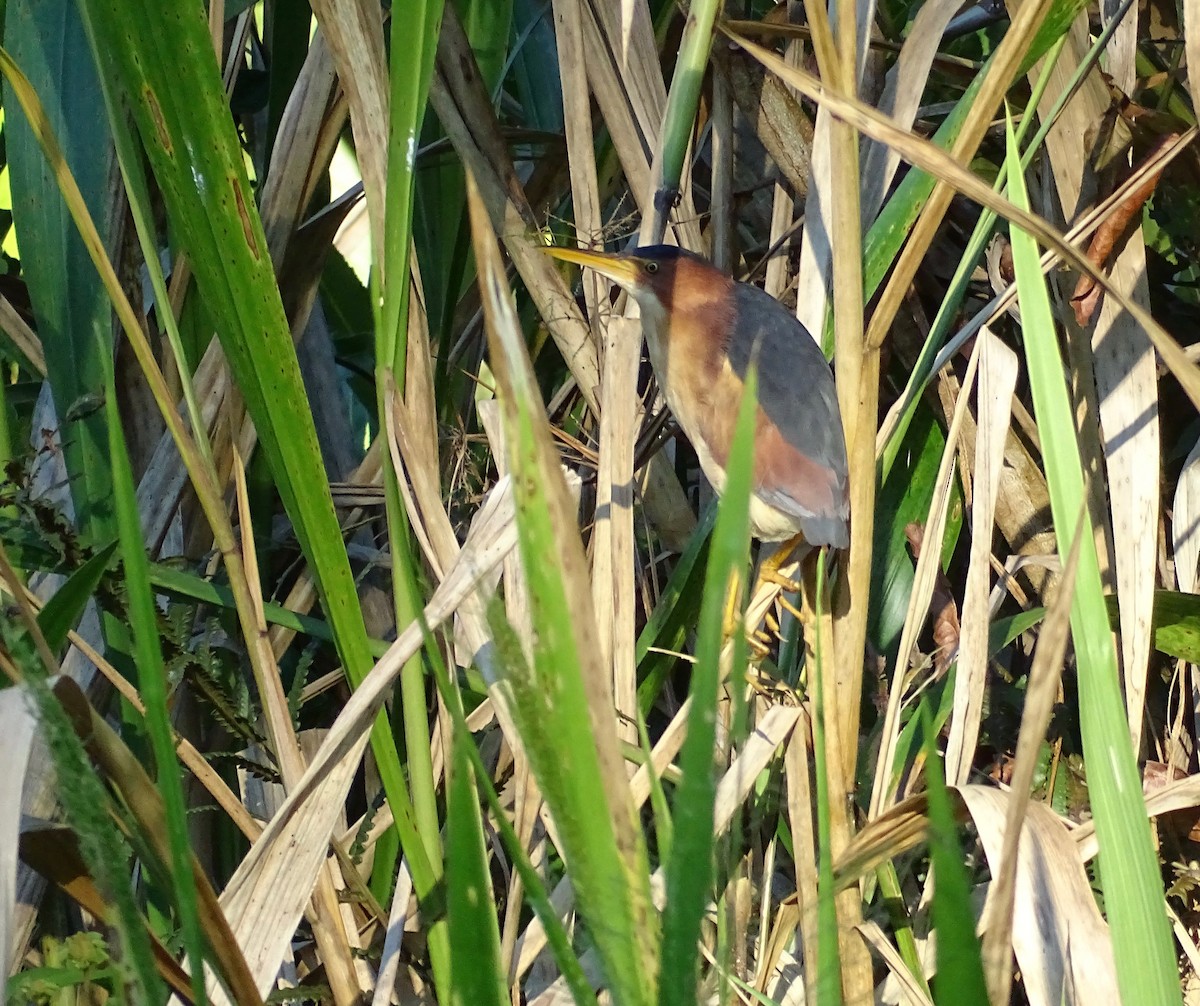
[800, 463]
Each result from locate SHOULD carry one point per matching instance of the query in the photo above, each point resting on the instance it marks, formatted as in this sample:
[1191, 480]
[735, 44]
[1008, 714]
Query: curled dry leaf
[1108, 236]
[942, 607]
[1061, 942]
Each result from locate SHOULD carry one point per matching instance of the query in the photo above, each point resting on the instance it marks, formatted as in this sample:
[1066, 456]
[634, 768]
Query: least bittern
[703, 329]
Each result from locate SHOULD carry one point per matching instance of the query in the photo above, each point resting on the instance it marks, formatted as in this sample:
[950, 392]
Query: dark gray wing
[797, 394]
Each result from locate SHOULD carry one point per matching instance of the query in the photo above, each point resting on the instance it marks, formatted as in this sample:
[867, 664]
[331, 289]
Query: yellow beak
[621, 270]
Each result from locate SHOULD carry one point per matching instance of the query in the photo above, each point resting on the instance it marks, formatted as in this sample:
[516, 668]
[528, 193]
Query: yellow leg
[769, 570]
[729, 622]
[760, 644]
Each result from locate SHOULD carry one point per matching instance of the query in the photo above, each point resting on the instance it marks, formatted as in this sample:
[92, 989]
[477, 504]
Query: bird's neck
[654, 326]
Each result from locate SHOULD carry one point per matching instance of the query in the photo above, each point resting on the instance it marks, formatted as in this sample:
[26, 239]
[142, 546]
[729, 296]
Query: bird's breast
[680, 371]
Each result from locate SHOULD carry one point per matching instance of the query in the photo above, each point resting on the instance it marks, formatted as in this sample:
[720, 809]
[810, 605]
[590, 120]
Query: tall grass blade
[557, 937]
[959, 959]
[152, 681]
[679, 118]
[474, 937]
[414, 34]
[46, 39]
[1128, 869]
[689, 871]
[563, 706]
[828, 953]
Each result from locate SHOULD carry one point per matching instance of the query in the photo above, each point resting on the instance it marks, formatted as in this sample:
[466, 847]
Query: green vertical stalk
[415, 31]
[152, 682]
[680, 114]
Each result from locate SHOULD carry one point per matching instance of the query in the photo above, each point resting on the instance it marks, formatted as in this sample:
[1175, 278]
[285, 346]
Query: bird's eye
[651, 267]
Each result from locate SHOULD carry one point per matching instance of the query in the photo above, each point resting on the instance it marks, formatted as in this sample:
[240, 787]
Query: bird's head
[652, 275]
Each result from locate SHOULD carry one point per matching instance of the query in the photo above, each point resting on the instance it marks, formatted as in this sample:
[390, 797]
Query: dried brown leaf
[943, 609]
[1107, 237]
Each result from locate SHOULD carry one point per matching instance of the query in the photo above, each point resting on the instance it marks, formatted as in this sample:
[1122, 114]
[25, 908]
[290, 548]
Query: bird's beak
[621, 270]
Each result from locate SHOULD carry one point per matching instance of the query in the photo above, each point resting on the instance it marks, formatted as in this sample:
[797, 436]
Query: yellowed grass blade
[801, 805]
[1121, 52]
[1185, 522]
[614, 558]
[1191, 36]
[832, 253]
[307, 133]
[22, 336]
[354, 32]
[1182, 794]
[274, 699]
[1040, 694]
[928, 565]
[900, 828]
[877, 940]
[389, 964]
[997, 381]
[577, 120]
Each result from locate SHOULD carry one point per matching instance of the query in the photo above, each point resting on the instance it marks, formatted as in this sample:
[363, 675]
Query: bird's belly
[681, 369]
[767, 523]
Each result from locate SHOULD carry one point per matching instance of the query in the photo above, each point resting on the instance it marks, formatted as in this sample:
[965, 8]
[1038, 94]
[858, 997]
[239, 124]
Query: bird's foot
[771, 688]
[771, 569]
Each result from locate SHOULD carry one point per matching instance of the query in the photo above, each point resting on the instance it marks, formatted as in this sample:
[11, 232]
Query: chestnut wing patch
[799, 452]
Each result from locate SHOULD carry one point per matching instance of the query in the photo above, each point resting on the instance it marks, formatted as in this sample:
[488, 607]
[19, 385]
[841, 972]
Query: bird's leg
[731, 622]
[773, 582]
[770, 569]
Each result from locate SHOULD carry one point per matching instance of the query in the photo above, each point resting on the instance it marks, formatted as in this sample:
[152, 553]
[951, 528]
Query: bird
[703, 329]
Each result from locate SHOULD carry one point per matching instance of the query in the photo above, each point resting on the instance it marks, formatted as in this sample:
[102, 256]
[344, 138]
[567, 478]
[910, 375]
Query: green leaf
[959, 976]
[828, 953]
[679, 119]
[1004, 630]
[478, 973]
[1129, 869]
[1176, 623]
[46, 38]
[152, 681]
[61, 613]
